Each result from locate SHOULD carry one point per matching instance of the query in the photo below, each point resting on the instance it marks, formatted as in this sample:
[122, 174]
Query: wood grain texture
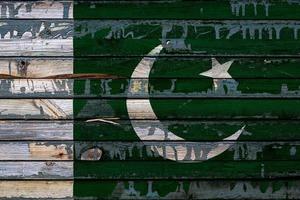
[36, 108]
[191, 130]
[189, 151]
[191, 66]
[36, 130]
[35, 67]
[186, 37]
[181, 189]
[209, 170]
[36, 170]
[36, 9]
[36, 88]
[177, 9]
[187, 109]
[36, 38]
[36, 189]
[36, 150]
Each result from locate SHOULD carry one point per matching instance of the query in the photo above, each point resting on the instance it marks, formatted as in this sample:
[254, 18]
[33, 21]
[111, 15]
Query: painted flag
[149, 99]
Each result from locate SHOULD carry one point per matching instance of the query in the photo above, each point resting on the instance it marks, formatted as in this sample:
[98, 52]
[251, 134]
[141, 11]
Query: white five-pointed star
[218, 71]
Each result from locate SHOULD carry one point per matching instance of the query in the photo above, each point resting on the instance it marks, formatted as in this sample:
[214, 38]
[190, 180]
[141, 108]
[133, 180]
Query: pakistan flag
[186, 100]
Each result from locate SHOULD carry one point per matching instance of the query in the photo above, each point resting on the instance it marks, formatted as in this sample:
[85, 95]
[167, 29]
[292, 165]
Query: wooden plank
[35, 67]
[36, 170]
[190, 66]
[143, 109]
[180, 189]
[186, 151]
[36, 130]
[190, 130]
[201, 9]
[189, 171]
[36, 189]
[36, 88]
[186, 37]
[48, 150]
[182, 88]
[36, 9]
[36, 38]
[36, 108]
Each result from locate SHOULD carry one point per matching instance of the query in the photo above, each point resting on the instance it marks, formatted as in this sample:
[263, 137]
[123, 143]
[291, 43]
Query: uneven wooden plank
[35, 67]
[37, 88]
[180, 189]
[36, 38]
[186, 37]
[36, 170]
[36, 189]
[47, 150]
[187, 151]
[191, 67]
[36, 130]
[143, 109]
[36, 9]
[36, 108]
[188, 171]
[177, 9]
[181, 88]
[190, 130]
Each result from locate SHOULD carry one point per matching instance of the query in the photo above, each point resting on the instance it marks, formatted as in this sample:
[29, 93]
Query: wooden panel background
[66, 80]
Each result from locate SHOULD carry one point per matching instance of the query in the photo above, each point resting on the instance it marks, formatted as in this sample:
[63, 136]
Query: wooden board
[181, 189]
[186, 37]
[36, 38]
[176, 9]
[36, 9]
[43, 170]
[36, 189]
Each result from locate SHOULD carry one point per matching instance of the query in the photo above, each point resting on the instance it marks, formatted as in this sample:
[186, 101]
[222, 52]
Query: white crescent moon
[141, 109]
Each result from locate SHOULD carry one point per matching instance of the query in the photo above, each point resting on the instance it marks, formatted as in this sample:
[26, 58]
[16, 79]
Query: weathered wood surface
[154, 88]
[189, 171]
[191, 66]
[36, 189]
[183, 109]
[36, 170]
[191, 130]
[176, 9]
[36, 9]
[180, 189]
[186, 151]
[36, 130]
[47, 150]
[186, 37]
[36, 108]
[35, 67]
[36, 38]
[36, 88]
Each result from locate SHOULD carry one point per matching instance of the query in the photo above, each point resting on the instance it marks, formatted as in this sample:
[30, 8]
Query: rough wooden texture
[180, 189]
[36, 88]
[188, 151]
[209, 170]
[36, 38]
[36, 130]
[36, 189]
[36, 170]
[177, 9]
[185, 109]
[35, 67]
[190, 67]
[36, 150]
[191, 130]
[36, 9]
[36, 108]
[186, 37]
